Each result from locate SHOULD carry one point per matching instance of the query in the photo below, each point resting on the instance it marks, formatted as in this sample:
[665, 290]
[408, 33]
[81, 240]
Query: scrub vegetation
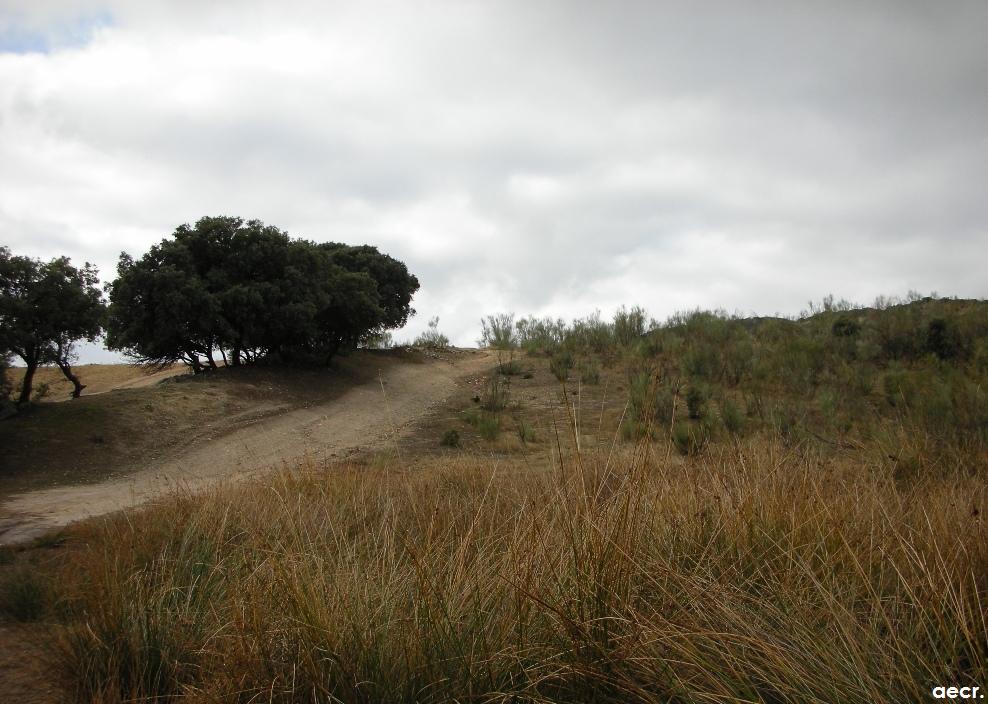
[761, 510]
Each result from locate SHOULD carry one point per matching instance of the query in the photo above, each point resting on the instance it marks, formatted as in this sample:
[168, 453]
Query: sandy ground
[372, 414]
[98, 378]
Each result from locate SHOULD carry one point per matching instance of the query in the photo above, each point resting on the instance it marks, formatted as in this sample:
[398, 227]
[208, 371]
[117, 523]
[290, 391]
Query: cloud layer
[538, 157]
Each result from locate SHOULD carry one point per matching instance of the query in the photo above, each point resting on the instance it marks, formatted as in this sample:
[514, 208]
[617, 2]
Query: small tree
[45, 308]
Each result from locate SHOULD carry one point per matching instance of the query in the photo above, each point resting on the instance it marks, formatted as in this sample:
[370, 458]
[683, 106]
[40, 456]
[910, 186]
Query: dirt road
[368, 415]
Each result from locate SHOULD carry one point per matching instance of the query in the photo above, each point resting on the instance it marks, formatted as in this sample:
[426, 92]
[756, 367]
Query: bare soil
[98, 379]
[63, 462]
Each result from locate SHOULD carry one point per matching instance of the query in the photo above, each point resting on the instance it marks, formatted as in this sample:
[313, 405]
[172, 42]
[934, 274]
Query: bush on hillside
[540, 335]
[431, 338]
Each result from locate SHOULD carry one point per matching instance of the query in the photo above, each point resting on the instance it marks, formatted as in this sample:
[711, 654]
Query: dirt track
[370, 414]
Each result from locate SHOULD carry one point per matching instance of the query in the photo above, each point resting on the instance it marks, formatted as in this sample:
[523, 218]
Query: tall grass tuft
[25, 594]
[759, 572]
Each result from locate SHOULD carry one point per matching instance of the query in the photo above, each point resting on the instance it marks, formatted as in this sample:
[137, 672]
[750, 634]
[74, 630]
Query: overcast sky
[540, 157]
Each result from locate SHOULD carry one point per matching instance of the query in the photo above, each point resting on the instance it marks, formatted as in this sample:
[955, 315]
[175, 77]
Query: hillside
[709, 509]
[51, 385]
[99, 453]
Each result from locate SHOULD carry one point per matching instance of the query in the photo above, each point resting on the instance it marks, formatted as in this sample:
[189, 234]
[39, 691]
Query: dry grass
[755, 573]
[98, 378]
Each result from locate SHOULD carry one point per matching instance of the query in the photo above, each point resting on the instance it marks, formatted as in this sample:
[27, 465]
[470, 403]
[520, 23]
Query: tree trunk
[25, 396]
[193, 361]
[235, 356]
[334, 347]
[66, 368]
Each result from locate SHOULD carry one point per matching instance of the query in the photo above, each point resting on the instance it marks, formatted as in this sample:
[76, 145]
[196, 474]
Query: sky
[547, 158]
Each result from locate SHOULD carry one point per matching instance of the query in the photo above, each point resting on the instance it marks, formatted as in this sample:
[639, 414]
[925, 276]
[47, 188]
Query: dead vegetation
[759, 573]
[828, 551]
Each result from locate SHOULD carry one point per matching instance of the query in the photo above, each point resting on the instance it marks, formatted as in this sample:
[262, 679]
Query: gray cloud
[540, 157]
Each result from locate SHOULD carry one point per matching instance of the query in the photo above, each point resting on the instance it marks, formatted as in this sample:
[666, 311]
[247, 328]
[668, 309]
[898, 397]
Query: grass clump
[590, 371]
[560, 364]
[25, 593]
[509, 367]
[489, 426]
[772, 576]
[696, 401]
[732, 417]
[451, 438]
[526, 433]
[41, 392]
[690, 438]
[635, 430]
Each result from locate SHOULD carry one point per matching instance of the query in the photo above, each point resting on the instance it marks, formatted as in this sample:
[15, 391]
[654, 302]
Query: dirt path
[368, 415]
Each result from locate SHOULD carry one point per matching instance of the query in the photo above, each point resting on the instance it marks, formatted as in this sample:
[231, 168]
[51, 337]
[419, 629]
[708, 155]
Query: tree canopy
[242, 290]
[45, 308]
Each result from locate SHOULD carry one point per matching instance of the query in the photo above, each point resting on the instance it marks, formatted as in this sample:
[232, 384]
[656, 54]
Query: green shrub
[702, 360]
[651, 345]
[665, 402]
[731, 416]
[649, 403]
[690, 438]
[382, 340]
[590, 371]
[24, 594]
[451, 438]
[640, 401]
[845, 326]
[432, 338]
[632, 429]
[526, 433]
[798, 361]
[980, 357]
[495, 396]
[51, 539]
[696, 401]
[787, 422]
[498, 332]
[898, 388]
[510, 367]
[7, 555]
[942, 339]
[41, 391]
[828, 399]
[629, 326]
[489, 426]
[540, 335]
[560, 364]
[738, 357]
[590, 334]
